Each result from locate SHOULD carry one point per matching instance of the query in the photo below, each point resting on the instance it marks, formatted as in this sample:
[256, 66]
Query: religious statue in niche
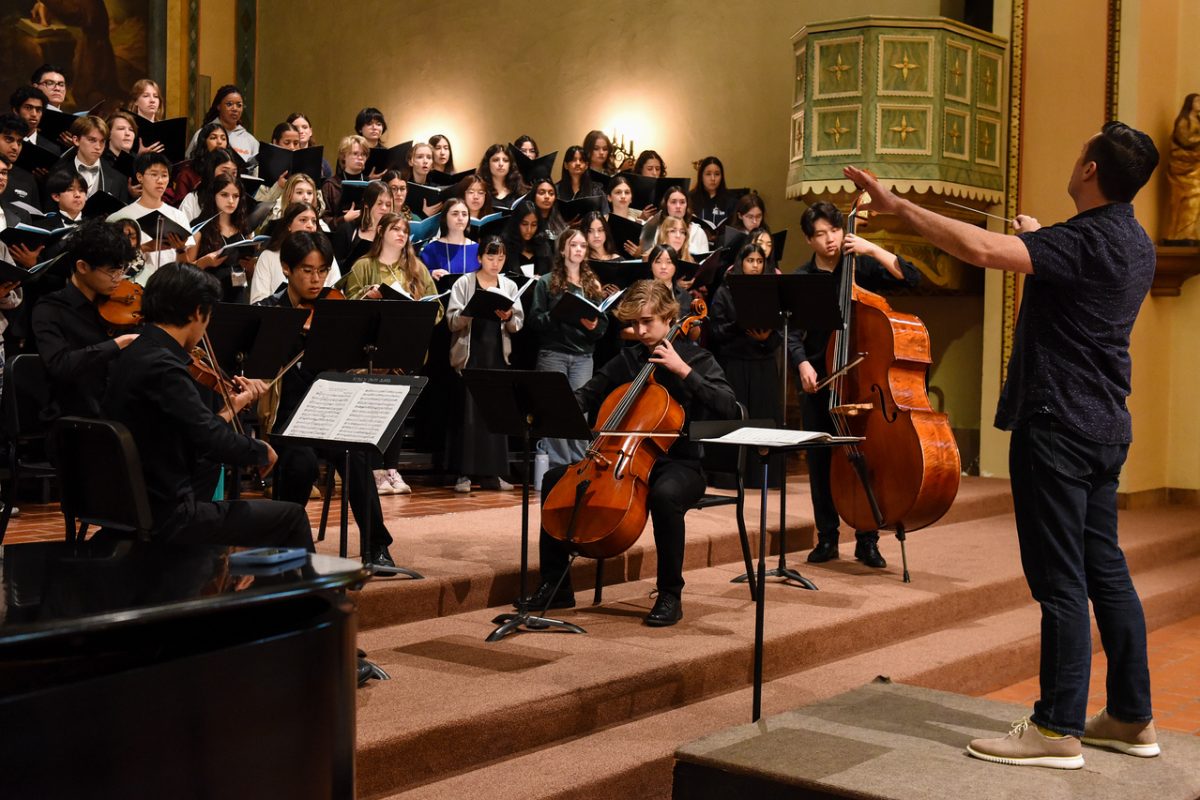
[1183, 175]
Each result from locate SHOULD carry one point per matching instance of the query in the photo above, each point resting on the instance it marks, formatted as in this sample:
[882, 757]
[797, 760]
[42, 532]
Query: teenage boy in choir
[68, 192]
[29, 102]
[151, 391]
[306, 259]
[10, 214]
[153, 173]
[824, 230]
[351, 160]
[53, 82]
[22, 185]
[691, 376]
[70, 336]
[90, 135]
[1065, 402]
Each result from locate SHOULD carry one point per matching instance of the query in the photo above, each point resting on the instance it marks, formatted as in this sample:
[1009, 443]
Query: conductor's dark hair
[12, 124]
[23, 93]
[820, 211]
[1125, 158]
[214, 109]
[368, 115]
[491, 246]
[100, 245]
[176, 291]
[41, 71]
[150, 159]
[298, 245]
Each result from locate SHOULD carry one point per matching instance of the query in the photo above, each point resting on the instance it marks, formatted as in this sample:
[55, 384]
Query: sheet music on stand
[355, 412]
[780, 437]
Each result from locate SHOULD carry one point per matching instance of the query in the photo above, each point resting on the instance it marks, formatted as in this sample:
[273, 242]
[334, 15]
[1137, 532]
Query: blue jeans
[1065, 495]
[578, 369]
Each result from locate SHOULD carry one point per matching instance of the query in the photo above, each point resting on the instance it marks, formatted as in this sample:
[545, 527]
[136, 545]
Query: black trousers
[296, 472]
[239, 523]
[675, 486]
[816, 418]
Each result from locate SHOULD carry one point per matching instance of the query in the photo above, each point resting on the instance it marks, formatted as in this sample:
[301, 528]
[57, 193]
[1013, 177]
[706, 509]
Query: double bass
[905, 474]
[599, 506]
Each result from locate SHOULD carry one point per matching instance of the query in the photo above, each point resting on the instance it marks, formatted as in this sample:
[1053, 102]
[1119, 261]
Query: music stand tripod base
[523, 620]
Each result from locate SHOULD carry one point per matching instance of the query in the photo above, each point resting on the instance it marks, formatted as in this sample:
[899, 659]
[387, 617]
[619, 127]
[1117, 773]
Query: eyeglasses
[112, 272]
[308, 272]
[53, 84]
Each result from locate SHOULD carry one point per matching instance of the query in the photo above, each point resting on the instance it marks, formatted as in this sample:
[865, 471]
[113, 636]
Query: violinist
[1064, 400]
[692, 377]
[72, 338]
[306, 259]
[152, 393]
[824, 230]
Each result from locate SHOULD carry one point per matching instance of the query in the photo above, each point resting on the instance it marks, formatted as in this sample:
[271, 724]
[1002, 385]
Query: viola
[906, 472]
[122, 309]
[599, 506]
[205, 370]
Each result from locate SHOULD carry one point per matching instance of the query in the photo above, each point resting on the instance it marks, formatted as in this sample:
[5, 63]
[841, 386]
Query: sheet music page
[374, 408]
[776, 437]
[322, 409]
[346, 412]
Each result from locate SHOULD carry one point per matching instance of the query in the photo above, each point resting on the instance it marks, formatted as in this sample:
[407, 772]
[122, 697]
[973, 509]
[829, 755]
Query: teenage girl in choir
[762, 238]
[226, 108]
[650, 164]
[527, 145]
[749, 357]
[749, 214]
[302, 125]
[286, 136]
[479, 343]
[550, 222]
[420, 164]
[352, 240]
[503, 179]
[186, 176]
[597, 152]
[396, 184]
[351, 159]
[370, 124]
[575, 181]
[598, 240]
[214, 163]
[443, 154]
[299, 188]
[567, 347]
[519, 235]
[231, 268]
[710, 200]
[145, 100]
[662, 259]
[268, 272]
[475, 194]
[122, 138]
[675, 204]
[620, 195]
[452, 253]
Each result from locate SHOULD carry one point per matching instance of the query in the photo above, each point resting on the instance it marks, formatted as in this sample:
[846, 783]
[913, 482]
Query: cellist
[693, 378]
[824, 230]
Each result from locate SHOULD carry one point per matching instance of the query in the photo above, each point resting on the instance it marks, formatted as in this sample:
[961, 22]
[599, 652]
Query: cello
[599, 506]
[905, 473]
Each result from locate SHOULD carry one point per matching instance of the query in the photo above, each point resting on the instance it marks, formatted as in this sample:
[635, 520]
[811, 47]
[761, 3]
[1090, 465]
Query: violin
[638, 423]
[327, 293]
[206, 372]
[122, 309]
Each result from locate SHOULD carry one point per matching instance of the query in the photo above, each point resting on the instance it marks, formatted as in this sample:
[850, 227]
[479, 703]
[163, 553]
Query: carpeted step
[529, 691]
[635, 759]
[471, 560]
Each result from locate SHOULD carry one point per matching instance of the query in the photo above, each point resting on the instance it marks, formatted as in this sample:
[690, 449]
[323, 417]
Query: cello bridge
[852, 409]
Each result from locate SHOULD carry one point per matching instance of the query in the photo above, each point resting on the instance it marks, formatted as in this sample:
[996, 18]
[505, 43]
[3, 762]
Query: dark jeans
[1065, 495]
[816, 418]
[239, 523]
[297, 470]
[675, 486]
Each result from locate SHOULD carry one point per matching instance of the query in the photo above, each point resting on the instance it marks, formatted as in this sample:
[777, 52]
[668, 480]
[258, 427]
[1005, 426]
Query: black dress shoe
[381, 558]
[543, 600]
[668, 609]
[824, 551]
[868, 553]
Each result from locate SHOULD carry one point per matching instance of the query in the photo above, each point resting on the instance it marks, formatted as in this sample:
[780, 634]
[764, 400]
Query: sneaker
[382, 484]
[463, 485]
[1026, 746]
[398, 484]
[16, 512]
[496, 484]
[1131, 738]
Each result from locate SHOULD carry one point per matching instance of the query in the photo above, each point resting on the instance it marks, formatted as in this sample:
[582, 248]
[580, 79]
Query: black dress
[471, 449]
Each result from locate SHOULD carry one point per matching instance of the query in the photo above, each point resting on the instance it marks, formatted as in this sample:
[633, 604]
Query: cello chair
[102, 480]
[717, 459]
[26, 393]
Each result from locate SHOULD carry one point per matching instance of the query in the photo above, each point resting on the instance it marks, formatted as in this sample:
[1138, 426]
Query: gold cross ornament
[837, 131]
[904, 129]
[838, 68]
[905, 66]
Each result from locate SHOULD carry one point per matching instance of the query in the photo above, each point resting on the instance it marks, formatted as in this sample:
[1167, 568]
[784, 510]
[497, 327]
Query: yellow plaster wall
[216, 54]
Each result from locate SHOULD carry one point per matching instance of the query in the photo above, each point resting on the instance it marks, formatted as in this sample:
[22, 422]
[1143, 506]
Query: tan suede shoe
[1025, 746]
[1132, 738]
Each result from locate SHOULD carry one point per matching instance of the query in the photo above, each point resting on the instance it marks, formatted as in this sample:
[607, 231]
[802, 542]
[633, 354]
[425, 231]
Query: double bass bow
[905, 474]
[599, 506]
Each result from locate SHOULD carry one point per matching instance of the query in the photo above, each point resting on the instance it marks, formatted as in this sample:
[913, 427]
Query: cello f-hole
[883, 404]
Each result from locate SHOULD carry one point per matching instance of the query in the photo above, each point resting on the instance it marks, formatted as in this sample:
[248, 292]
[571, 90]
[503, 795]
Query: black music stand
[254, 341]
[369, 334]
[762, 302]
[765, 450]
[526, 403]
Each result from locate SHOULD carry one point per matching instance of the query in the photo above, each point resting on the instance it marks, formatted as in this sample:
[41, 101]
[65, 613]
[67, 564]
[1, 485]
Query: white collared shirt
[93, 176]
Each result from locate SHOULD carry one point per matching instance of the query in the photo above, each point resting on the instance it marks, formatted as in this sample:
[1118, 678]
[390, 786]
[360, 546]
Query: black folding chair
[101, 476]
[26, 395]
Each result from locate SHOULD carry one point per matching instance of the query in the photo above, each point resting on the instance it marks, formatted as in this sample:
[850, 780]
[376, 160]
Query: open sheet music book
[779, 437]
[342, 411]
